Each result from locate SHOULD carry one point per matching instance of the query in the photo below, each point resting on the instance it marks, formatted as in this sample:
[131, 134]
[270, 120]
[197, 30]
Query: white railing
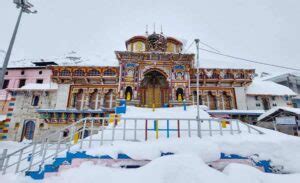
[98, 131]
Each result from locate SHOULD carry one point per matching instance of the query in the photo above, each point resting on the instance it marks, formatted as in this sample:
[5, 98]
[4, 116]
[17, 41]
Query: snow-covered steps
[74, 160]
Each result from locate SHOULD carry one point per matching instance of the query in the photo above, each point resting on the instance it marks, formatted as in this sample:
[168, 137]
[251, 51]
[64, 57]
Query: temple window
[228, 76]
[79, 73]
[215, 76]
[128, 93]
[55, 73]
[5, 84]
[94, 72]
[109, 72]
[179, 94]
[65, 73]
[35, 100]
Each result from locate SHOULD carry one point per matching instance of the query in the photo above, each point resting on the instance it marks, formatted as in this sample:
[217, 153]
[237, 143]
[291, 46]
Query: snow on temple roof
[277, 109]
[37, 86]
[258, 87]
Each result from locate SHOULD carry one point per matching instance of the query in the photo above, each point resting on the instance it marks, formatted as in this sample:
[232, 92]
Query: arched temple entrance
[154, 89]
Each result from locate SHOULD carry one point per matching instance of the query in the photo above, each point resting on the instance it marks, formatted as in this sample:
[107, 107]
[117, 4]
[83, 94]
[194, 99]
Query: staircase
[95, 132]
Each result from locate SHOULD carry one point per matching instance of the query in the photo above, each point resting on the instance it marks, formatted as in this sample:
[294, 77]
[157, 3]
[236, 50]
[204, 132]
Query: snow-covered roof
[37, 86]
[274, 110]
[237, 112]
[258, 87]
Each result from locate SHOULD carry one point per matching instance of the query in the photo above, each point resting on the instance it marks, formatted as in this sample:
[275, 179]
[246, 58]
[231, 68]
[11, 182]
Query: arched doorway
[154, 89]
[179, 94]
[128, 93]
[28, 130]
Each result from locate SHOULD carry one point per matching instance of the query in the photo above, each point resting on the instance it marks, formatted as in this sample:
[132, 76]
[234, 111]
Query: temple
[152, 72]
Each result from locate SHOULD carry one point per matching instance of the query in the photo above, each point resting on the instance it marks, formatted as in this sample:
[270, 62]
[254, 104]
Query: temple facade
[152, 72]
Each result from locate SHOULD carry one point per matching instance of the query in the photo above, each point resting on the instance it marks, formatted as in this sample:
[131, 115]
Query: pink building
[18, 77]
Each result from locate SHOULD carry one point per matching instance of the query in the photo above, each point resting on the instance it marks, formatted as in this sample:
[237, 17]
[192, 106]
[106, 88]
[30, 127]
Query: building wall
[31, 76]
[62, 96]
[24, 111]
[256, 103]
[240, 94]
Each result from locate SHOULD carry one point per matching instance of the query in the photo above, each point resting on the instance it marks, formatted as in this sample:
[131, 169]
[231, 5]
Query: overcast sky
[265, 30]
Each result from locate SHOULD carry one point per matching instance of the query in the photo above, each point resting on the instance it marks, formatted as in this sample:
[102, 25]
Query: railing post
[72, 133]
[58, 143]
[168, 129]
[231, 128]
[124, 130]
[146, 130]
[209, 126]
[156, 128]
[102, 135]
[113, 133]
[2, 159]
[135, 127]
[249, 129]
[45, 151]
[178, 128]
[220, 126]
[19, 161]
[32, 156]
[238, 126]
[82, 133]
[5, 164]
[189, 128]
[199, 128]
[92, 131]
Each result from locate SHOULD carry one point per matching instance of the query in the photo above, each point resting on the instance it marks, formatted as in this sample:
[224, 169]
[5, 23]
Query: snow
[37, 86]
[258, 87]
[189, 164]
[273, 110]
[189, 161]
[174, 112]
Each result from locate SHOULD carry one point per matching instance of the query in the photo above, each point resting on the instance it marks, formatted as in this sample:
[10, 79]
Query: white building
[264, 95]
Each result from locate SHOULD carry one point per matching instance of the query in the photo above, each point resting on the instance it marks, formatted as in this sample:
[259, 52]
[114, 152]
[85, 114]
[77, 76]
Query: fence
[93, 132]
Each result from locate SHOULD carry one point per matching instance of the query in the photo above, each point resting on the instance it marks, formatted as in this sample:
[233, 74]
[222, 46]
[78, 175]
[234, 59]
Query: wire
[207, 45]
[248, 60]
[188, 47]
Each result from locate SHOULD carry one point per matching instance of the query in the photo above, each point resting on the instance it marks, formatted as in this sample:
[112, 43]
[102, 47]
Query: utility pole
[197, 84]
[24, 6]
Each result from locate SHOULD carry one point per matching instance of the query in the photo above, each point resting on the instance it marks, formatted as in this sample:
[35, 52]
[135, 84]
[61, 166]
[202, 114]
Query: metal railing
[107, 130]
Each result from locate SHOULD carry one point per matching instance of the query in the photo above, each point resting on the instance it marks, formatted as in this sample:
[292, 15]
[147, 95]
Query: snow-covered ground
[191, 155]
